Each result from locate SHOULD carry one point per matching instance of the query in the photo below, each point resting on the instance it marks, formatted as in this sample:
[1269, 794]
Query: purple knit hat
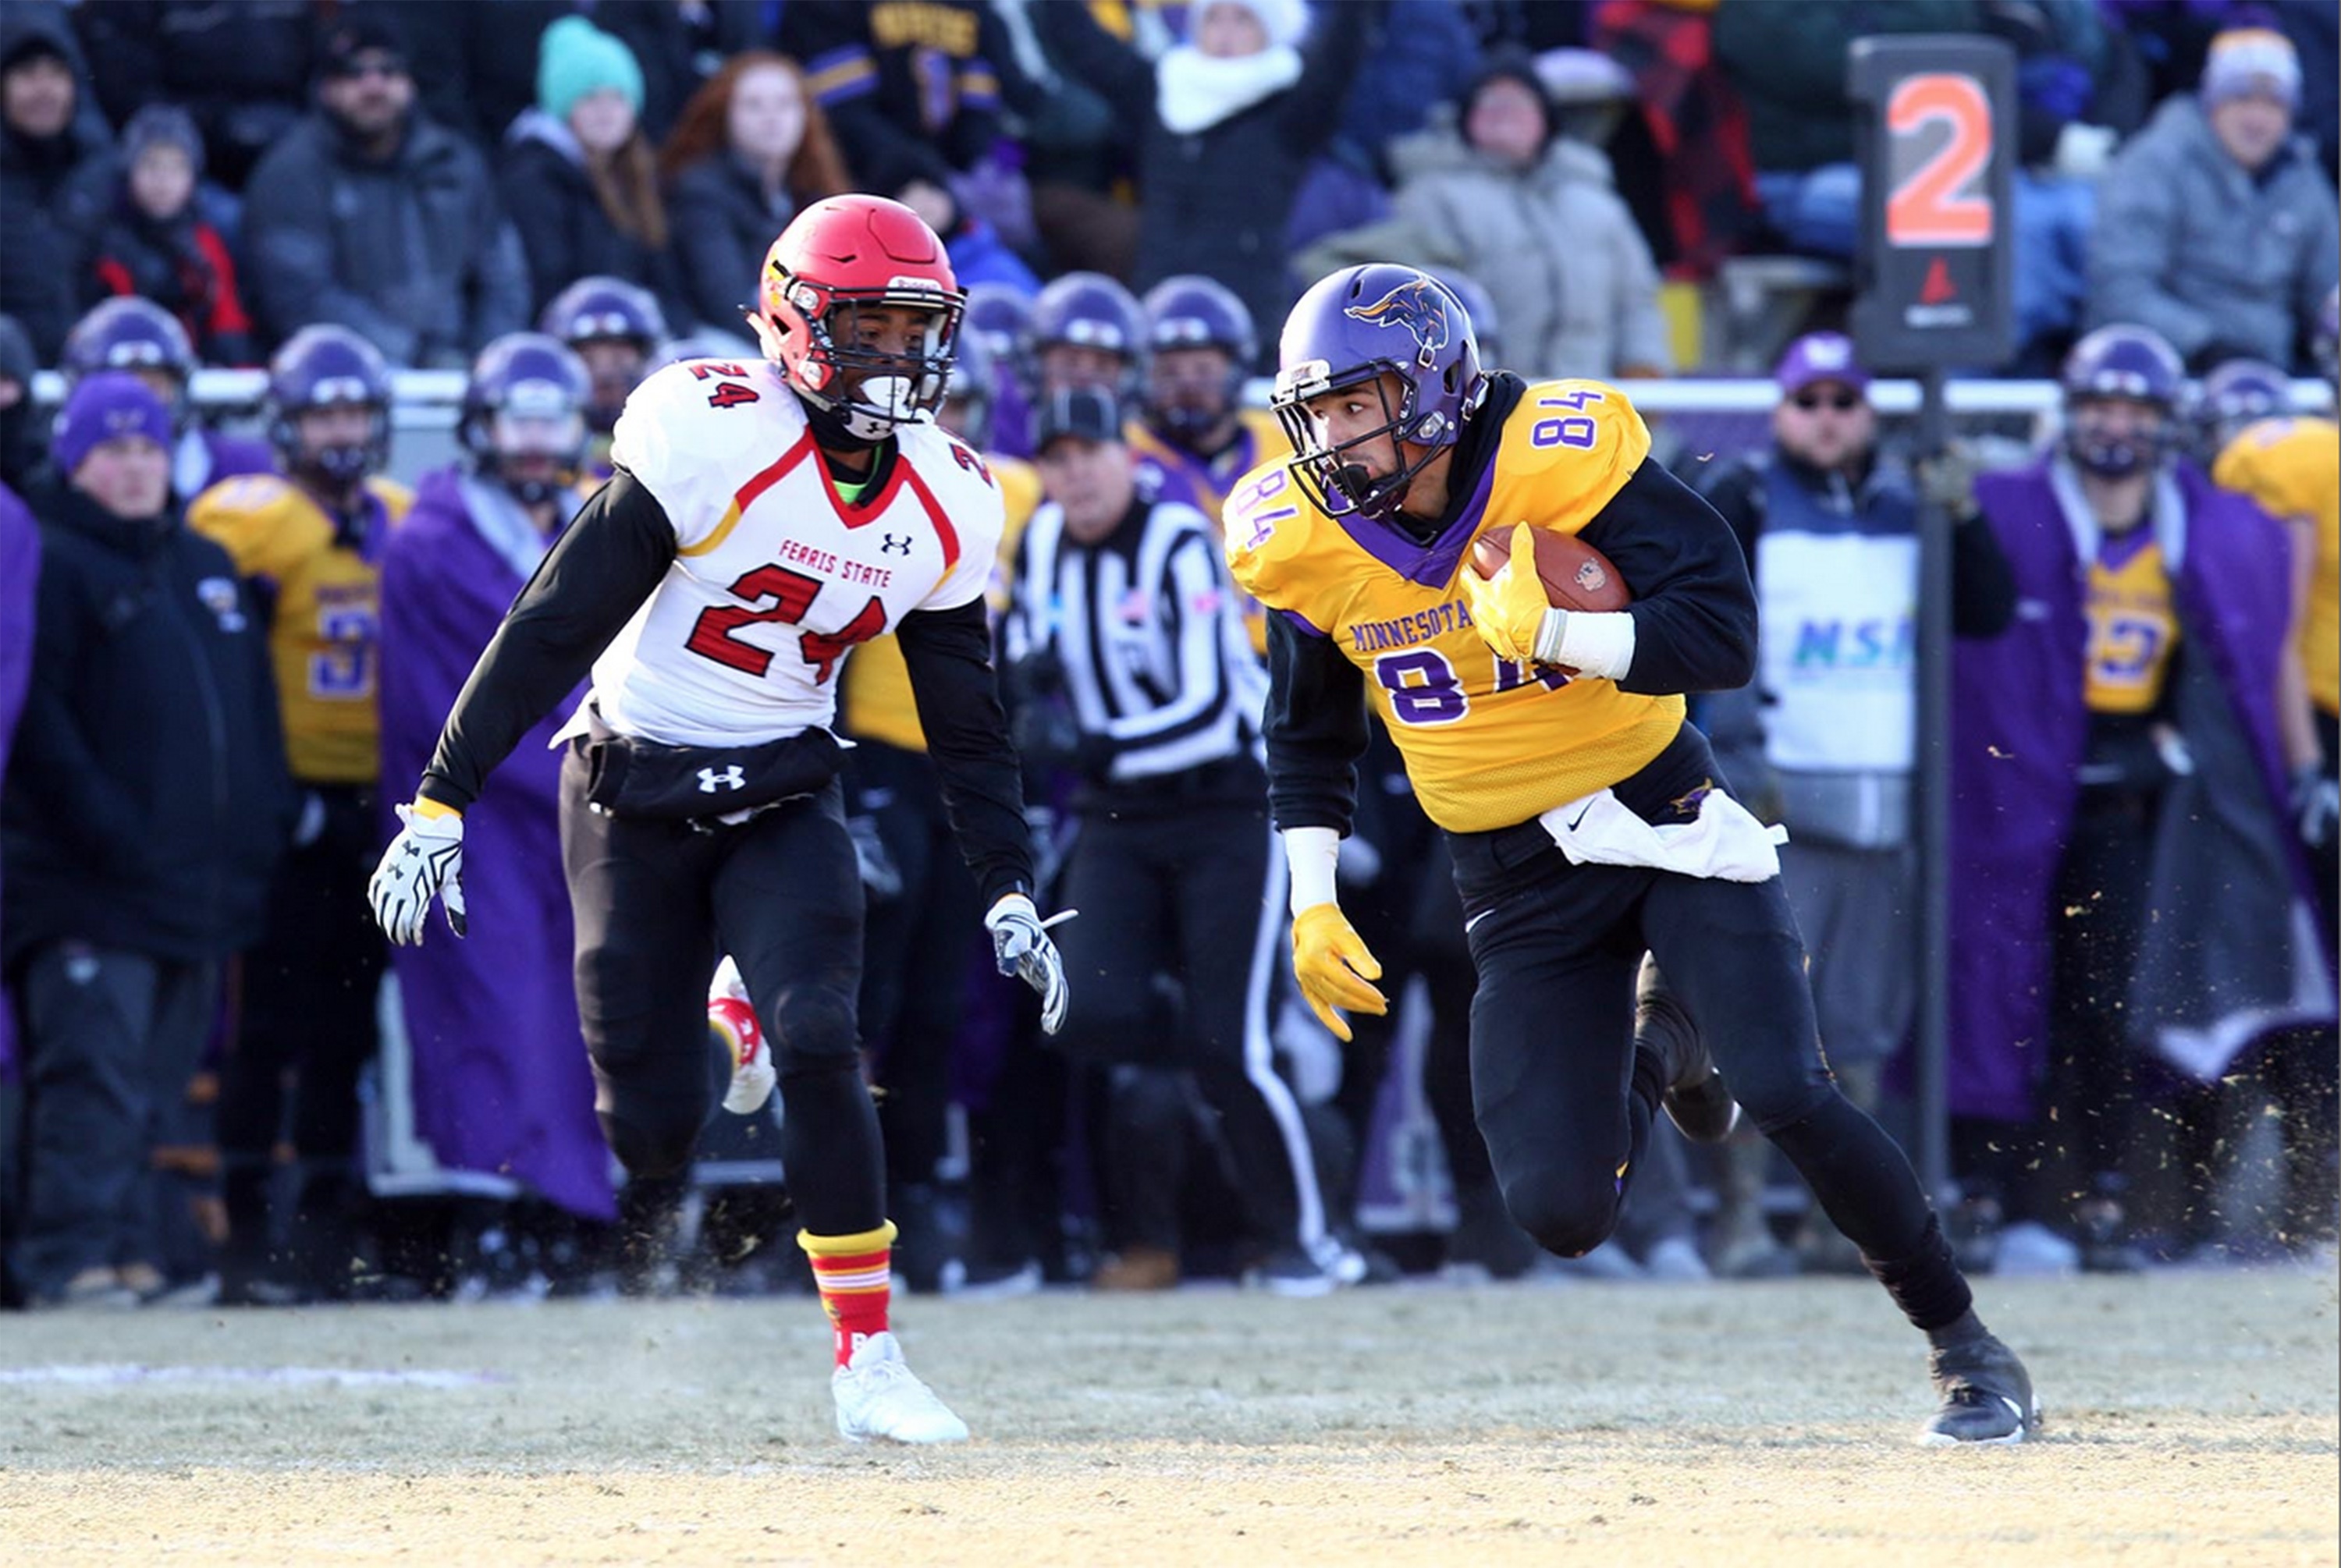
[102, 406]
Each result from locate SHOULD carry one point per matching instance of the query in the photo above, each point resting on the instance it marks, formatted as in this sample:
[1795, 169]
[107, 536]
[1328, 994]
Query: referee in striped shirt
[1125, 622]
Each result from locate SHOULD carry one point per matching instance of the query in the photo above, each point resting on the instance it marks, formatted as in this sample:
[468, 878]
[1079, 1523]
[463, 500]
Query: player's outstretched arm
[597, 574]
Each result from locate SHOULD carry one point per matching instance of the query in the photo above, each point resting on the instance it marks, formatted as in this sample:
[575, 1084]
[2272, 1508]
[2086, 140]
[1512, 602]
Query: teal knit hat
[575, 58]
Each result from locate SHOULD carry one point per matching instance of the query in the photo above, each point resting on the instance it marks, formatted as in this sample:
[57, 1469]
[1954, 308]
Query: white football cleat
[878, 1395]
[730, 1015]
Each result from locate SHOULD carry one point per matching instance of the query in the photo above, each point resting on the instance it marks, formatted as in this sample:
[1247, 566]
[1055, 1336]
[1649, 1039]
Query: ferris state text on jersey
[777, 575]
[1486, 742]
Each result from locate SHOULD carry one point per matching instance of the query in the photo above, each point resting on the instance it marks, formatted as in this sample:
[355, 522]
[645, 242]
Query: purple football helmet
[329, 366]
[1193, 311]
[1090, 311]
[2237, 393]
[527, 400]
[1351, 330]
[602, 307]
[2121, 363]
[130, 333]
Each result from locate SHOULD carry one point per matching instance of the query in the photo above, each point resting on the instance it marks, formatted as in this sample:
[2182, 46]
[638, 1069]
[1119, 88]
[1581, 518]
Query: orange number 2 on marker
[1940, 202]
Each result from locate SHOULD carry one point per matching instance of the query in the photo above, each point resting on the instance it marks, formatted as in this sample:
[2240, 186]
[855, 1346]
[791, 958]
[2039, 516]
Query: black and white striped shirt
[1148, 631]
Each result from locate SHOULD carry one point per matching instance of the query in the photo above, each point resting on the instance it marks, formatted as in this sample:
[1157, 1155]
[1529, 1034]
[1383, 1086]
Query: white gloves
[1020, 946]
[426, 859]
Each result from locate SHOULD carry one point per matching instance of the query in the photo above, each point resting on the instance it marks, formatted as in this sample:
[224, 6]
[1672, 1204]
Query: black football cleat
[1986, 1395]
[1696, 1096]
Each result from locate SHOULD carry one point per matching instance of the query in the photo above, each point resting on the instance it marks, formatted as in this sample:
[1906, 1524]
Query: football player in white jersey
[763, 518]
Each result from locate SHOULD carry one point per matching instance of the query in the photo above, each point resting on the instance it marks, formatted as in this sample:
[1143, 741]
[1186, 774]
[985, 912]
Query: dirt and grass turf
[2194, 1419]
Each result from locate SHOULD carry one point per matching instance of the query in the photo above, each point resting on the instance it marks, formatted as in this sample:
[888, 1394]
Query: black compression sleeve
[1316, 729]
[597, 574]
[1694, 607]
[949, 653]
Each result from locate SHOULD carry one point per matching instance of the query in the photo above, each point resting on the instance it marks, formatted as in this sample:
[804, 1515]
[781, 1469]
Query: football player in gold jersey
[1586, 819]
[2292, 467]
[310, 538]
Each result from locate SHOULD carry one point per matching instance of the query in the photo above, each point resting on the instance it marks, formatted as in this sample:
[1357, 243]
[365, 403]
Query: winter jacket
[45, 191]
[1216, 200]
[717, 211]
[564, 232]
[414, 253]
[474, 65]
[1788, 63]
[2191, 244]
[1575, 290]
[182, 264]
[147, 798]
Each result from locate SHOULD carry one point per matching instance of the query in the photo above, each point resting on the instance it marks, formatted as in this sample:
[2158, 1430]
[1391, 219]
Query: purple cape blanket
[2223, 962]
[501, 1084]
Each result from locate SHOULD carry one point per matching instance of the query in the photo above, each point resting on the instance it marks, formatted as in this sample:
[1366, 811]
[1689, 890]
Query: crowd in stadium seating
[556, 194]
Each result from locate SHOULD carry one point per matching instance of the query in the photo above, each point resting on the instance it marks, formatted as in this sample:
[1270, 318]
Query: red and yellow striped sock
[855, 1278]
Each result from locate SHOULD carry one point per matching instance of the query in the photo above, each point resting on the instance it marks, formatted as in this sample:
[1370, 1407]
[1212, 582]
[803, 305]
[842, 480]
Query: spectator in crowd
[306, 542]
[1823, 738]
[1789, 65]
[151, 239]
[1684, 158]
[474, 66]
[578, 175]
[501, 1084]
[137, 335]
[614, 328]
[369, 215]
[45, 190]
[1124, 642]
[2101, 903]
[1227, 124]
[20, 437]
[1531, 216]
[241, 71]
[126, 887]
[750, 148]
[681, 44]
[2222, 162]
[913, 91]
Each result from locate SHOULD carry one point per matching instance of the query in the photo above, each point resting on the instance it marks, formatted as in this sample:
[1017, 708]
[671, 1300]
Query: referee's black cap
[1088, 413]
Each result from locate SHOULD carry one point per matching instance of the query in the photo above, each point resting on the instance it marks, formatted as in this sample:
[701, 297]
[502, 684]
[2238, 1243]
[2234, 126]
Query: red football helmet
[841, 255]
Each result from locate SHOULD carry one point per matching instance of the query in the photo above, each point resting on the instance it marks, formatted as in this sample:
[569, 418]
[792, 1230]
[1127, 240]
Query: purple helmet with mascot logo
[2121, 361]
[1351, 330]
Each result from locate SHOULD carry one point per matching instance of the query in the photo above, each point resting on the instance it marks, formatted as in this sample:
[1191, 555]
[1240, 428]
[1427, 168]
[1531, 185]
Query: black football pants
[656, 903]
[1557, 946]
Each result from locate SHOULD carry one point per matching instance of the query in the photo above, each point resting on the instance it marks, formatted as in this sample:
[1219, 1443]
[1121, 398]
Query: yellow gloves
[1510, 608]
[1333, 966]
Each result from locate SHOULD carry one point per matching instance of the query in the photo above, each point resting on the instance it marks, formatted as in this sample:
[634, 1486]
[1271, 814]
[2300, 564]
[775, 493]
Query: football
[1575, 575]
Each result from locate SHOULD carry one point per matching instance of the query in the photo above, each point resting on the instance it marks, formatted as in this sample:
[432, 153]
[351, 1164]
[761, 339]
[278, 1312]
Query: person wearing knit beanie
[575, 59]
[2243, 62]
[2250, 89]
[108, 407]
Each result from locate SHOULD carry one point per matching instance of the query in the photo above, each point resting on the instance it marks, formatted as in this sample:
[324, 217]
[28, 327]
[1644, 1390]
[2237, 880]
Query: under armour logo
[894, 545]
[730, 779]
